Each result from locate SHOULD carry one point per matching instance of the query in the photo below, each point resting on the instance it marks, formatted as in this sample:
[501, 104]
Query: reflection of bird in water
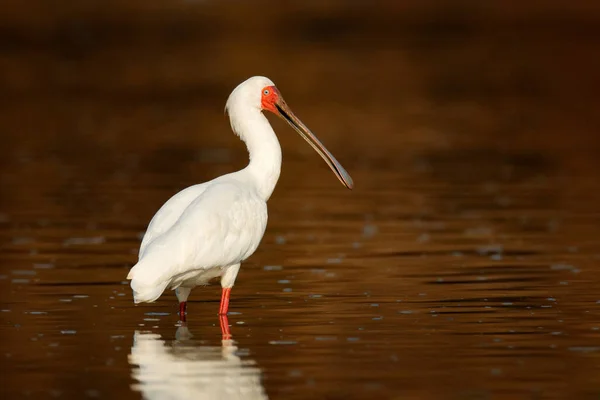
[207, 230]
[186, 369]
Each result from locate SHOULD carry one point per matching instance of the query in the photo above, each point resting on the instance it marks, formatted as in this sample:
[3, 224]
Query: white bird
[206, 230]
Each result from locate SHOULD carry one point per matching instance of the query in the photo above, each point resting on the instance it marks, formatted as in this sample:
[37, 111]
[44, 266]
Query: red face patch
[269, 97]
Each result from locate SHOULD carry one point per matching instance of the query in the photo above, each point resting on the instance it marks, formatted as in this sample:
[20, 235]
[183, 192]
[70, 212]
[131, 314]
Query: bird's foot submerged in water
[224, 307]
[225, 327]
[183, 311]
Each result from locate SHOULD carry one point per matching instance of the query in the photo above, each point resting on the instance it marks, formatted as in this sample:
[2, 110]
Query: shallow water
[464, 265]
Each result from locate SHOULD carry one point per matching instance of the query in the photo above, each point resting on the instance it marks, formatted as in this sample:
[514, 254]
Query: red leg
[224, 301]
[182, 311]
[225, 327]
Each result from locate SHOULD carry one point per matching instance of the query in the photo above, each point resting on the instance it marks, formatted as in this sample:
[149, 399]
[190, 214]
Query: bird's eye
[266, 92]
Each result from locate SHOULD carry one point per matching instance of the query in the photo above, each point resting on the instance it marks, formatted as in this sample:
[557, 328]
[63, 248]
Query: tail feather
[146, 282]
[147, 294]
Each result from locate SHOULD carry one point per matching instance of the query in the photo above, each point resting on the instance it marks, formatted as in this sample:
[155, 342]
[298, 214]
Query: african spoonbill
[205, 231]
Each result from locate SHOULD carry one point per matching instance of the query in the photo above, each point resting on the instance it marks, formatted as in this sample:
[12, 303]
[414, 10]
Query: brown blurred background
[463, 124]
[98, 91]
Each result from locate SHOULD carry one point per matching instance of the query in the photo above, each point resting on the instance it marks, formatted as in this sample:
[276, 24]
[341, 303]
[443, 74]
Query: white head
[260, 93]
[248, 93]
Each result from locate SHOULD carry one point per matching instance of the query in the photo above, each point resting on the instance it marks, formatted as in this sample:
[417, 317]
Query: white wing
[222, 226]
[169, 213]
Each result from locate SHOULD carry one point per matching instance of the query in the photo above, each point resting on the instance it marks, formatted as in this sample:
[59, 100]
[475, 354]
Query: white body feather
[207, 230]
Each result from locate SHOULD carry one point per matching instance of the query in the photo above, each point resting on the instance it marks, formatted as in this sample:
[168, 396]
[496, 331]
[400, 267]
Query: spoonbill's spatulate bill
[206, 230]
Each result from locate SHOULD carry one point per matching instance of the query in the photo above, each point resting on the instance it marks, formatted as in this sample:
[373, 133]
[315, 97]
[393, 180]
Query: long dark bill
[287, 114]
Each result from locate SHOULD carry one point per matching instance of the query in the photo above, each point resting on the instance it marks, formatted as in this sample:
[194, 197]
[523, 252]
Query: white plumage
[206, 230]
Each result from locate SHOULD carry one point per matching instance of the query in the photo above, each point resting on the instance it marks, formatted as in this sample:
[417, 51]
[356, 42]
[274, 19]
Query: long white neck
[265, 152]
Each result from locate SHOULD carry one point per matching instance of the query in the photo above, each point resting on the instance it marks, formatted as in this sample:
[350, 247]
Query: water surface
[464, 265]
